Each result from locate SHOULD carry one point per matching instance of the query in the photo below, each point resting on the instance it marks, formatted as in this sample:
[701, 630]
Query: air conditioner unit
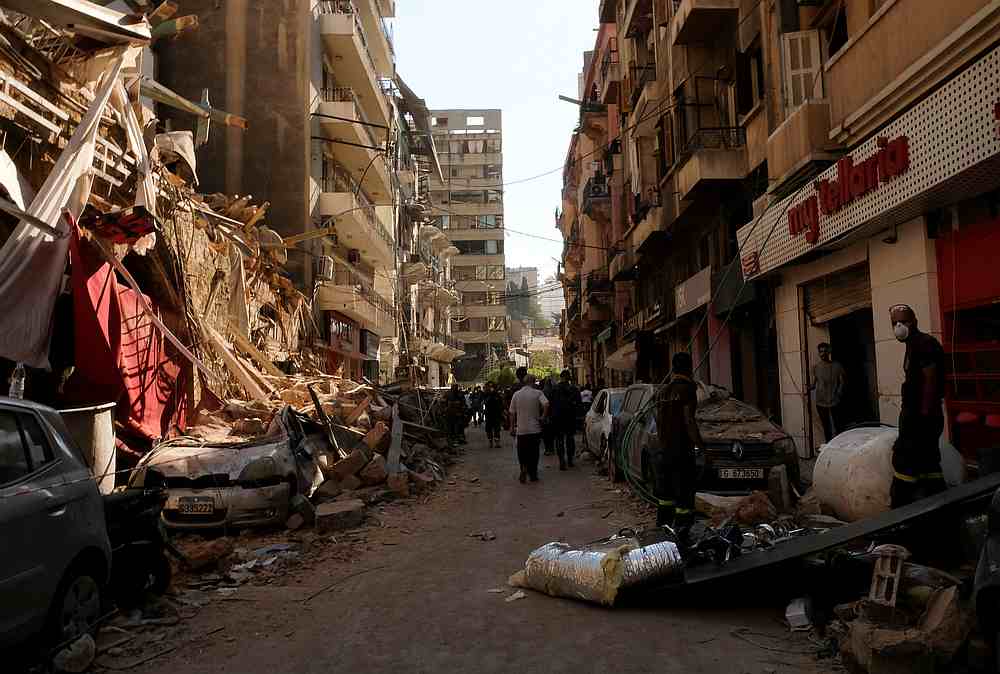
[324, 268]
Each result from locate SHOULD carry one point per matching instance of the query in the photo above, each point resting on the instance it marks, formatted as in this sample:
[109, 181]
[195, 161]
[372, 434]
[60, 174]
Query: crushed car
[741, 444]
[240, 484]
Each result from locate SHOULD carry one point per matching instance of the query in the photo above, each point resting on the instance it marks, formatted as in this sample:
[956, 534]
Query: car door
[33, 522]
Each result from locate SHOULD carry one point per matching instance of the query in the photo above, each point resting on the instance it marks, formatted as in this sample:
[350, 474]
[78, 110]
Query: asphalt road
[414, 596]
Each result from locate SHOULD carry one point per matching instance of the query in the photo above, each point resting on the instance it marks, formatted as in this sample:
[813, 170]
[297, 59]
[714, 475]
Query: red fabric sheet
[119, 354]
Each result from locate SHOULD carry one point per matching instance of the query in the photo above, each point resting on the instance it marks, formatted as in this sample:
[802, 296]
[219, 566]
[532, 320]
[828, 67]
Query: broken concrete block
[296, 521]
[204, 555]
[422, 481]
[354, 462]
[340, 515]
[375, 472]
[295, 398]
[328, 491]
[303, 506]
[77, 656]
[399, 484]
[375, 437]
[249, 427]
[350, 483]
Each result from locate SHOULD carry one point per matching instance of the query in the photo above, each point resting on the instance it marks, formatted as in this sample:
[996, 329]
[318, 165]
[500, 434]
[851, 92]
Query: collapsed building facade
[159, 252]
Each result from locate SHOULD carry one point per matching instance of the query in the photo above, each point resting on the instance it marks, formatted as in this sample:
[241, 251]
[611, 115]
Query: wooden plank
[28, 112]
[34, 96]
[358, 410]
[233, 365]
[262, 360]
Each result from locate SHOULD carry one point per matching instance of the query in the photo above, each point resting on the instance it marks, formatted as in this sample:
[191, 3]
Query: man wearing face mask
[916, 459]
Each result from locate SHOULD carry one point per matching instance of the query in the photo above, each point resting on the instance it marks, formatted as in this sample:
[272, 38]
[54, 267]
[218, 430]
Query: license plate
[741, 473]
[196, 505]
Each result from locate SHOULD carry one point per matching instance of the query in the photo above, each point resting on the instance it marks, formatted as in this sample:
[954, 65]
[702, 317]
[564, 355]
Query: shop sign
[853, 181]
[693, 293]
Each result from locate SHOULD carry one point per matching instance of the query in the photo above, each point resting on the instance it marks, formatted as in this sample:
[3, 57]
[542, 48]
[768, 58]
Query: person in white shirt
[528, 409]
[587, 394]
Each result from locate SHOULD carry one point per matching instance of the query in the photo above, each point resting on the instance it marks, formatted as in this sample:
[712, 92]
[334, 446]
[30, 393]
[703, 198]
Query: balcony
[801, 144]
[438, 345]
[342, 118]
[597, 199]
[632, 324]
[622, 265]
[346, 42]
[381, 45]
[610, 74]
[594, 121]
[710, 157]
[470, 159]
[352, 299]
[638, 18]
[609, 11]
[705, 21]
[437, 295]
[355, 216]
[473, 183]
[639, 76]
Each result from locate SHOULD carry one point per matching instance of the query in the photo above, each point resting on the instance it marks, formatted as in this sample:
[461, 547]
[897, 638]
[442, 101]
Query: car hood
[730, 419]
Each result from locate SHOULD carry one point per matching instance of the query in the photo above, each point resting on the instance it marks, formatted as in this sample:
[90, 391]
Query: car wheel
[614, 470]
[647, 471]
[76, 607]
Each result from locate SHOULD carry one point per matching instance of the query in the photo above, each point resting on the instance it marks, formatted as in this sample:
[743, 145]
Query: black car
[741, 444]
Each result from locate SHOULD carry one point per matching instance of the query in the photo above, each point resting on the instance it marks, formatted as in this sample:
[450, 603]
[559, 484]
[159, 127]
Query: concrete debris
[516, 596]
[399, 484]
[484, 535]
[340, 515]
[77, 656]
[203, 555]
[329, 490]
[375, 472]
[351, 465]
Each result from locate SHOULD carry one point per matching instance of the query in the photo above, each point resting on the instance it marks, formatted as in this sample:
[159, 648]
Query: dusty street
[417, 598]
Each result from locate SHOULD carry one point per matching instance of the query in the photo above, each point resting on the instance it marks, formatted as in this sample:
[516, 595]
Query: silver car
[56, 555]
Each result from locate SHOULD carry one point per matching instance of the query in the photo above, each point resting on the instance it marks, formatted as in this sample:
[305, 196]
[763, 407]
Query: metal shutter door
[838, 294]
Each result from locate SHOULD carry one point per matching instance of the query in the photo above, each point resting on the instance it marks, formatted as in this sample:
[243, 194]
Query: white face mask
[902, 331]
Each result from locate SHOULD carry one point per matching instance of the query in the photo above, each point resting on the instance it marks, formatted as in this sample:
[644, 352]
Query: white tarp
[32, 263]
[11, 179]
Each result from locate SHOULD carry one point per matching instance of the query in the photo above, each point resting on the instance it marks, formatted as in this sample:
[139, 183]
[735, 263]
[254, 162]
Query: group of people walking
[535, 413]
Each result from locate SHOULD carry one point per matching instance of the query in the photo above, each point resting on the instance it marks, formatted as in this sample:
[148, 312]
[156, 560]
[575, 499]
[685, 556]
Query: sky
[518, 56]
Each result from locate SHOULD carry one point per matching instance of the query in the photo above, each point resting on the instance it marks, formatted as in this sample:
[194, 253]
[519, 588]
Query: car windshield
[615, 400]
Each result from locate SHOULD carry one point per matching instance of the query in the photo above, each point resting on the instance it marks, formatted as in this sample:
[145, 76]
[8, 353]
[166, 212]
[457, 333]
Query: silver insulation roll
[597, 572]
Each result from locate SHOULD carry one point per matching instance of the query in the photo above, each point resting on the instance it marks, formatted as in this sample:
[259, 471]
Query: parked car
[741, 444]
[237, 484]
[597, 423]
[55, 555]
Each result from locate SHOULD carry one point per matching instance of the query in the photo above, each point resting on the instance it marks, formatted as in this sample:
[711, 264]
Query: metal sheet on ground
[810, 545]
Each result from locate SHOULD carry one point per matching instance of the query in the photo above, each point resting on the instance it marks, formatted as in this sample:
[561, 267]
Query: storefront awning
[622, 359]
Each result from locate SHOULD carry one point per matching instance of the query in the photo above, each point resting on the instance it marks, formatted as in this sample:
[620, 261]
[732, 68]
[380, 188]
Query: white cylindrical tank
[853, 474]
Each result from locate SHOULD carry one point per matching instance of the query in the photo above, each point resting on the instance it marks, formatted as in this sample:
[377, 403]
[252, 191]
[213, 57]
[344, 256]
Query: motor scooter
[139, 545]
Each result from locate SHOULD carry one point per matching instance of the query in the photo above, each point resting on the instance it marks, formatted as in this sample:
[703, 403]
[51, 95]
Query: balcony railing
[610, 59]
[640, 76]
[336, 178]
[439, 337]
[632, 323]
[347, 7]
[347, 95]
[715, 138]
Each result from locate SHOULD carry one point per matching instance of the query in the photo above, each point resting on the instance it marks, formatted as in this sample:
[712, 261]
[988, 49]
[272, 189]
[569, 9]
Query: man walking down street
[565, 404]
[587, 393]
[528, 409]
[493, 410]
[916, 458]
[456, 411]
[829, 384]
[675, 470]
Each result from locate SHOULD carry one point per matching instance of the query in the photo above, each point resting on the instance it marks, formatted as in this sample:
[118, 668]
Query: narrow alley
[423, 595]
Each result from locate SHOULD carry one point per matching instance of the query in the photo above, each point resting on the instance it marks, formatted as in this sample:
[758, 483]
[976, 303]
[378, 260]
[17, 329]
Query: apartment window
[664, 145]
[475, 121]
[494, 247]
[493, 146]
[496, 272]
[495, 297]
[803, 67]
[834, 25]
[492, 171]
[475, 325]
[493, 196]
[454, 172]
[749, 79]
[497, 323]
[467, 273]
[481, 272]
[467, 197]
[439, 121]
[444, 222]
[474, 299]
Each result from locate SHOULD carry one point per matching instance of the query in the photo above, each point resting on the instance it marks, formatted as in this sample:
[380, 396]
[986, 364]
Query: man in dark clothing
[493, 411]
[675, 470]
[457, 414]
[916, 458]
[476, 398]
[565, 401]
[548, 387]
[829, 384]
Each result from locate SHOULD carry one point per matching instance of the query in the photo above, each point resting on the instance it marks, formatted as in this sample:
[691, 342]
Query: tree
[502, 376]
[546, 359]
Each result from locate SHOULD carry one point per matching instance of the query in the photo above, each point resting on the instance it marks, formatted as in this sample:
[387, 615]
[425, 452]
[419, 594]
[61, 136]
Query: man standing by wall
[680, 440]
[565, 404]
[829, 384]
[528, 409]
[916, 457]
